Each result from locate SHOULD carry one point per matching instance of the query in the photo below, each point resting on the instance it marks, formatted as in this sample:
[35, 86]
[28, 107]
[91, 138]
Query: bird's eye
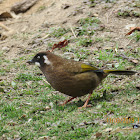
[38, 57]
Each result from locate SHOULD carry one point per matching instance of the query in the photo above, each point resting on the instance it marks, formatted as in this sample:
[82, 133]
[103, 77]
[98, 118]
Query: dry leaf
[22, 117]
[133, 29]
[98, 134]
[12, 123]
[61, 44]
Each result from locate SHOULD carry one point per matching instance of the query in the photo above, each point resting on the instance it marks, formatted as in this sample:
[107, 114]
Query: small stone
[95, 15]
[98, 106]
[51, 104]
[46, 24]
[47, 108]
[129, 67]
[129, 26]
[81, 124]
[138, 86]
[109, 65]
[135, 61]
[85, 1]
[89, 123]
[65, 21]
[5, 49]
[65, 6]
[48, 123]
[108, 130]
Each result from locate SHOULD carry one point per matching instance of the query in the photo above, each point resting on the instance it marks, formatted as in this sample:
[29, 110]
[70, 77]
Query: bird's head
[40, 59]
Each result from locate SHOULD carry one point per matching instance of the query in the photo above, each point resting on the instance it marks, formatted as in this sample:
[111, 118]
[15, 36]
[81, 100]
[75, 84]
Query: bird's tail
[120, 72]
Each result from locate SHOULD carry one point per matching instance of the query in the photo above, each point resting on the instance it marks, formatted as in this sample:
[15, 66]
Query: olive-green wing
[77, 67]
[86, 68]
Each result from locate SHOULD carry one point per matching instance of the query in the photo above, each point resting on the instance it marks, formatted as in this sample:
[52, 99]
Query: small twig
[45, 36]
[14, 22]
[120, 84]
[123, 56]
[8, 32]
[5, 27]
[73, 32]
[130, 59]
[129, 42]
[108, 15]
[46, 81]
[3, 42]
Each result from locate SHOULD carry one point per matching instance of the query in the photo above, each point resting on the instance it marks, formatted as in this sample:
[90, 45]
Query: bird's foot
[85, 106]
[67, 101]
[62, 103]
[86, 103]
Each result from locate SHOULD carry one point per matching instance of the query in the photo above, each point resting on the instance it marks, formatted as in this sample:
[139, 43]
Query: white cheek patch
[37, 63]
[38, 57]
[46, 60]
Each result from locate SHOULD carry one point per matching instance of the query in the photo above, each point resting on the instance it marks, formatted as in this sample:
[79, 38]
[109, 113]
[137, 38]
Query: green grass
[85, 42]
[135, 36]
[58, 32]
[24, 114]
[41, 8]
[128, 13]
[88, 26]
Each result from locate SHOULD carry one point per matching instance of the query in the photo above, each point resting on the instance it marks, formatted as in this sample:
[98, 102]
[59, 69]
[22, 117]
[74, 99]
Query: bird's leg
[68, 101]
[86, 103]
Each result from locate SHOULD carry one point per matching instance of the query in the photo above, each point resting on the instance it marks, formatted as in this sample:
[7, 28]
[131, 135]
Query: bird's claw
[85, 106]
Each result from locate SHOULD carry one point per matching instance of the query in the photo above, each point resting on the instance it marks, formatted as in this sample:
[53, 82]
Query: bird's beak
[30, 62]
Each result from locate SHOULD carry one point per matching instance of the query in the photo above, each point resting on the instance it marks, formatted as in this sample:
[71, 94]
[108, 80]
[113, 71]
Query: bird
[70, 77]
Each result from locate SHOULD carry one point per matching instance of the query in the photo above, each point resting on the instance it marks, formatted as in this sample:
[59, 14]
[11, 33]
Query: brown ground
[26, 26]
